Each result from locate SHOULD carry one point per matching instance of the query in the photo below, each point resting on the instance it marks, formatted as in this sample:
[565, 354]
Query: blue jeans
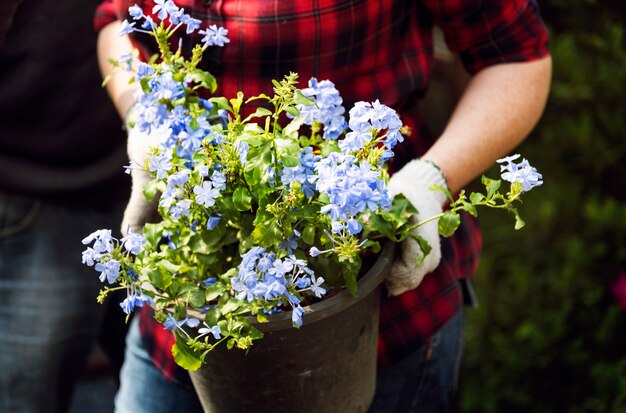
[49, 317]
[425, 382]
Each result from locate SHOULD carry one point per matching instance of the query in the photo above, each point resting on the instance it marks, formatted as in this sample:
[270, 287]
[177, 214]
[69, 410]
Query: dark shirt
[60, 137]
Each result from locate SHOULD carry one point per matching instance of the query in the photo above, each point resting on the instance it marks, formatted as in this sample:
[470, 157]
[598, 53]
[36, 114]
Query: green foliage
[548, 336]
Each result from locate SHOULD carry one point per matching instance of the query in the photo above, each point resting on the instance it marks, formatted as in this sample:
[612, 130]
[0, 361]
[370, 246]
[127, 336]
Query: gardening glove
[139, 210]
[413, 181]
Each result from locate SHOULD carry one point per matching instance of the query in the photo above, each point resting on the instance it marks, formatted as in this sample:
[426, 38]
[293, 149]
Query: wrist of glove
[139, 210]
[413, 181]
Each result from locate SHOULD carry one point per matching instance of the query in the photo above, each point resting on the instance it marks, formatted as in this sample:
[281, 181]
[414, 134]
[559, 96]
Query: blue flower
[296, 315]
[181, 208]
[133, 242]
[214, 36]
[134, 300]
[522, 172]
[132, 274]
[213, 221]
[102, 239]
[90, 256]
[219, 180]
[161, 164]
[109, 270]
[179, 178]
[327, 109]
[206, 194]
[191, 23]
[135, 12]
[242, 148]
[215, 330]
[127, 28]
[209, 281]
[171, 324]
[163, 8]
[316, 287]
[126, 61]
[143, 70]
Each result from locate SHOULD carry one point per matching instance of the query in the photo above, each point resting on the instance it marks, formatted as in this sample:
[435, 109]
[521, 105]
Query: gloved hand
[139, 210]
[413, 181]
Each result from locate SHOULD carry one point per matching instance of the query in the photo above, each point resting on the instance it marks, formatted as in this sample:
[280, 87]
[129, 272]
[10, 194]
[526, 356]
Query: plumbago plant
[261, 213]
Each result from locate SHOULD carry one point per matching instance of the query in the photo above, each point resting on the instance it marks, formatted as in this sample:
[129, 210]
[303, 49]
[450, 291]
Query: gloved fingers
[405, 272]
[141, 144]
[139, 210]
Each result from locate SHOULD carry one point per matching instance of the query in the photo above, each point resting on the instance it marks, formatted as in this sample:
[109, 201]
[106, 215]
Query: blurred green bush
[548, 335]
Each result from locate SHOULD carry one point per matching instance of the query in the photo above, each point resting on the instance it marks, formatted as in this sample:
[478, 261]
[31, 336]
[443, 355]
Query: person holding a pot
[370, 50]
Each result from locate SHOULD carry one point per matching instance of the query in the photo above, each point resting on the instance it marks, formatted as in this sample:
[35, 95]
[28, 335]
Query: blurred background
[549, 334]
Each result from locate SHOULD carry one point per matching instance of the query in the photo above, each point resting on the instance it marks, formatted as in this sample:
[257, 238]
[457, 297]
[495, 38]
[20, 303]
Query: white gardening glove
[413, 181]
[139, 210]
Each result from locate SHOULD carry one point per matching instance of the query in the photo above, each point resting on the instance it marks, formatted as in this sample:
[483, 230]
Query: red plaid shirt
[370, 49]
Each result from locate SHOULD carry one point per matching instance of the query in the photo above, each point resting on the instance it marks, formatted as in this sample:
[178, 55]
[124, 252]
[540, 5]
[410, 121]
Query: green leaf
[448, 223]
[290, 161]
[230, 306]
[214, 291]
[492, 186]
[308, 234]
[471, 209]
[153, 232]
[197, 298]
[292, 110]
[519, 222]
[184, 355]
[259, 112]
[300, 99]
[150, 189]
[205, 79]
[476, 197]
[293, 126]
[424, 246]
[267, 234]
[159, 279]
[384, 227]
[242, 199]
[213, 315]
[168, 266]
[222, 103]
[350, 273]
[256, 166]
[444, 190]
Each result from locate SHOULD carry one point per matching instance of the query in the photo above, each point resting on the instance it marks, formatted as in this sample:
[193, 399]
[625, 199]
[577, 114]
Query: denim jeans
[49, 317]
[425, 382]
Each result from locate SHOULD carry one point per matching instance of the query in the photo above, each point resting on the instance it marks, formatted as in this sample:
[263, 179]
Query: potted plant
[267, 218]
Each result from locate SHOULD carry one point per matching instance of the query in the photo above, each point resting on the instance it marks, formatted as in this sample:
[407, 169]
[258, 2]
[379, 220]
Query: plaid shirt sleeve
[491, 31]
[105, 14]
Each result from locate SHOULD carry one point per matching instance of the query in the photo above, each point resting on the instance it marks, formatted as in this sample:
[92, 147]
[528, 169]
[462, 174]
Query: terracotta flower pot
[326, 366]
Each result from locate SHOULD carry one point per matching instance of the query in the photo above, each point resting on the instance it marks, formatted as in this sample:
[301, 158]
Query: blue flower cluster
[100, 254]
[328, 108]
[521, 172]
[167, 9]
[303, 173]
[263, 276]
[353, 187]
[172, 324]
[367, 121]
